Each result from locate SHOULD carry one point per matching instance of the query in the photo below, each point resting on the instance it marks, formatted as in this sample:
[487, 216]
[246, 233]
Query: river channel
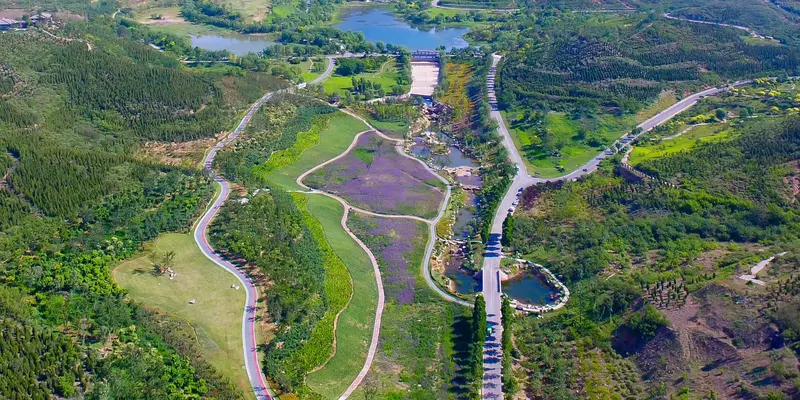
[381, 25]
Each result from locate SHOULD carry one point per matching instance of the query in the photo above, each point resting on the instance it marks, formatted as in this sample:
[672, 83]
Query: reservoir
[380, 25]
[235, 43]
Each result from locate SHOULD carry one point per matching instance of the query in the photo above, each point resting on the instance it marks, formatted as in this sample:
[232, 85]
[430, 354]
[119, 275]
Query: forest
[270, 232]
[78, 198]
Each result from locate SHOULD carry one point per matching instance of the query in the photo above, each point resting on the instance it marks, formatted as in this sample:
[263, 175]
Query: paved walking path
[249, 342]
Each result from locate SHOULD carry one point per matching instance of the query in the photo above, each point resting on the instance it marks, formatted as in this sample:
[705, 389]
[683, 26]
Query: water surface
[379, 24]
[236, 43]
[456, 158]
[528, 288]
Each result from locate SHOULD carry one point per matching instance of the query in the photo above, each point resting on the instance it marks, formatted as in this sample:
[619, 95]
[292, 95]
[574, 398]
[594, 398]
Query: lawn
[251, 10]
[333, 140]
[354, 329]
[564, 130]
[306, 66]
[286, 8]
[217, 314]
[386, 76]
[695, 135]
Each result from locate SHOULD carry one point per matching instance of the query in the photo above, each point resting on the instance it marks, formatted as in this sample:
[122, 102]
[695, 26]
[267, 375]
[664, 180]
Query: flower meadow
[419, 330]
[396, 243]
[375, 177]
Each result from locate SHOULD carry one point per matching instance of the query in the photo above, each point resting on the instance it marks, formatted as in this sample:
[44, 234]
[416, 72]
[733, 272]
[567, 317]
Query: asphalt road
[435, 4]
[492, 291]
[249, 344]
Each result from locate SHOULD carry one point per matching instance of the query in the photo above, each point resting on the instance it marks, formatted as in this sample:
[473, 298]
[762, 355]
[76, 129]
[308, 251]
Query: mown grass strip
[338, 290]
[354, 328]
[329, 143]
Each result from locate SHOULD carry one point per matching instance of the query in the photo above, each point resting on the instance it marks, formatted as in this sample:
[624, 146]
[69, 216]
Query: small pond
[465, 216]
[529, 288]
[380, 25]
[463, 282]
[235, 43]
[456, 158]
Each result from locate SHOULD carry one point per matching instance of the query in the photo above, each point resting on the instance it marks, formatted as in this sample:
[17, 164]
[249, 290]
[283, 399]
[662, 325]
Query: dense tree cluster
[269, 231]
[274, 127]
[617, 70]
[76, 201]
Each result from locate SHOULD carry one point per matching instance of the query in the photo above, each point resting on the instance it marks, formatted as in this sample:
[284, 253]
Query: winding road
[435, 4]
[249, 342]
[750, 31]
[492, 291]
[252, 365]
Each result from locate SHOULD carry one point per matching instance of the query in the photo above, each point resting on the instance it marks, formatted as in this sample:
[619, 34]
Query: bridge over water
[425, 55]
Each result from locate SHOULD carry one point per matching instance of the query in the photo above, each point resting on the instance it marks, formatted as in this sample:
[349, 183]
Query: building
[7, 23]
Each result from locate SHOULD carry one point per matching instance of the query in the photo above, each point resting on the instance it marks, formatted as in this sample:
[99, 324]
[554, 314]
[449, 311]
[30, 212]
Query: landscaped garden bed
[375, 177]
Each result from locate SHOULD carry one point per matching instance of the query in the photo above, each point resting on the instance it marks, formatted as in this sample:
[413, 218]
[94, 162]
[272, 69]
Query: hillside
[79, 194]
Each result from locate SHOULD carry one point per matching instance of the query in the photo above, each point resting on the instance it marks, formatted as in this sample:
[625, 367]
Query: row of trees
[269, 231]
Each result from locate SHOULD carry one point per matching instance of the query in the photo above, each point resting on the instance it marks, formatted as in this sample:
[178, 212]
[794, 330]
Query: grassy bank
[332, 141]
[354, 328]
[216, 315]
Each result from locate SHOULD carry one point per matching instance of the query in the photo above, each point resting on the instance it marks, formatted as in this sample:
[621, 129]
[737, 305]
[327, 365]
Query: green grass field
[354, 329]
[695, 135]
[574, 153]
[217, 314]
[251, 10]
[386, 77]
[334, 140]
[309, 75]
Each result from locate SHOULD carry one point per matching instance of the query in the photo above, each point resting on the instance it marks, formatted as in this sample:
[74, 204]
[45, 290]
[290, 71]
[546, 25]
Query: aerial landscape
[400, 199]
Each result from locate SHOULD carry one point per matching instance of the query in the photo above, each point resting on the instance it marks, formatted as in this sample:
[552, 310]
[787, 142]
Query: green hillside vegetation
[354, 327]
[217, 314]
[309, 285]
[570, 89]
[615, 241]
[369, 78]
[76, 202]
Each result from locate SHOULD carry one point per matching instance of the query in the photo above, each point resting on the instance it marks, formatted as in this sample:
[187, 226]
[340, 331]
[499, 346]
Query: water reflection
[236, 43]
[379, 24]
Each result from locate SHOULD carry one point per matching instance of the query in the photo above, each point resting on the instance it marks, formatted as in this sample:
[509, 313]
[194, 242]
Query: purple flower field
[398, 244]
[375, 177]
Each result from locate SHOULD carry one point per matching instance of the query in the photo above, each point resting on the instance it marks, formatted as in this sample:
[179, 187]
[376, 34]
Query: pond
[379, 24]
[456, 158]
[463, 281]
[235, 43]
[528, 288]
[465, 216]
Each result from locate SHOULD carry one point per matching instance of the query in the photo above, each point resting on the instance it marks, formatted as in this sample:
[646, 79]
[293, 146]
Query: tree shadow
[462, 341]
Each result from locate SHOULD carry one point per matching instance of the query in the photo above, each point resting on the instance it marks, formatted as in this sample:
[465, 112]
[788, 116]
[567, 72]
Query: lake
[380, 25]
[236, 43]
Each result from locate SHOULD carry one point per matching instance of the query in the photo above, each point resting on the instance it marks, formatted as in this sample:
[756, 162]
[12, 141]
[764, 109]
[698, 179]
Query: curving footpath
[435, 4]
[491, 285]
[249, 343]
[347, 208]
[750, 31]
[431, 223]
